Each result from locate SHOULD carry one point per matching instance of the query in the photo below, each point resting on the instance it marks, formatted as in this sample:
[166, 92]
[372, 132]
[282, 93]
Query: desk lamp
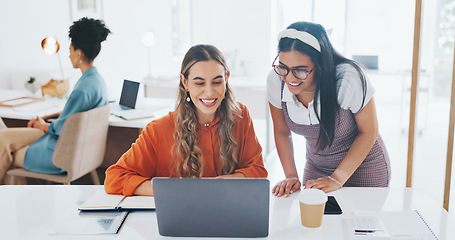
[149, 40]
[54, 87]
[51, 47]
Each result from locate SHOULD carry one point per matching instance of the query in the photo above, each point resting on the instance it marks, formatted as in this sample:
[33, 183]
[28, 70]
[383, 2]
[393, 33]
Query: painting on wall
[86, 8]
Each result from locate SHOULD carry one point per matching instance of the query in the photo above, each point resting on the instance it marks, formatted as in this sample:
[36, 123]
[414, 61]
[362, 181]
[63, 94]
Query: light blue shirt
[88, 93]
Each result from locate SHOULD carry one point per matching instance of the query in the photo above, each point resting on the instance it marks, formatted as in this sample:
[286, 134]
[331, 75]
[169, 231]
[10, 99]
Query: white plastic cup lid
[312, 196]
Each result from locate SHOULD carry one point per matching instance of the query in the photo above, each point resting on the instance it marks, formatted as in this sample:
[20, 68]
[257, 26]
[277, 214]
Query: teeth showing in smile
[295, 84]
[208, 101]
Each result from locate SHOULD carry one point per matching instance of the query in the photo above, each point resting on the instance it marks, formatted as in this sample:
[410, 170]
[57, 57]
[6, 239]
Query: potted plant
[32, 85]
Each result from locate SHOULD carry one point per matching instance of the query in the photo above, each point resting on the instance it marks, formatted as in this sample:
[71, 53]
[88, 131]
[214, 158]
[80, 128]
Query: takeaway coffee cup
[312, 203]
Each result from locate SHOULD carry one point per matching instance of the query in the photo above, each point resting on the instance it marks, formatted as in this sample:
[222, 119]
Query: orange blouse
[150, 156]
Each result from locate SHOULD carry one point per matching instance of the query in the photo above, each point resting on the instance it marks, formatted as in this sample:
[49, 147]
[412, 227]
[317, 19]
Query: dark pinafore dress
[374, 170]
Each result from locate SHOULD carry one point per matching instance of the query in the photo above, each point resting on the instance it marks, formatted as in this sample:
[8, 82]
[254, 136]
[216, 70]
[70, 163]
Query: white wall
[240, 32]
[388, 34]
[22, 27]
[240, 29]
[125, 54]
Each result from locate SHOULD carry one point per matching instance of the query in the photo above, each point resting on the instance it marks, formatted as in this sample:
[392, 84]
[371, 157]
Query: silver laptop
[210, 207]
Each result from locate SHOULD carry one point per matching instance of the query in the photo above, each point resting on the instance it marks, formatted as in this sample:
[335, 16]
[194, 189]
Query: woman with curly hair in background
[32, 147]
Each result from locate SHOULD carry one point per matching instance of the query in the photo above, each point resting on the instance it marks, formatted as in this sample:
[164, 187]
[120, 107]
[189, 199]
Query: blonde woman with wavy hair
[208, 134]
[187, 117]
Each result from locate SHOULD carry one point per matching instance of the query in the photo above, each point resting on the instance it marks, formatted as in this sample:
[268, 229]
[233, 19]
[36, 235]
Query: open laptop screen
[210, 207]
[129, 93]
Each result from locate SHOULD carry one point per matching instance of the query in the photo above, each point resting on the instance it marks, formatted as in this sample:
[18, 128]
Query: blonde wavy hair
[189, 158]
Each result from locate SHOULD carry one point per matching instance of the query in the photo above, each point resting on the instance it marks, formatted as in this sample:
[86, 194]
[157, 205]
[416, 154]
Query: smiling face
[298, 60]
[206, 84]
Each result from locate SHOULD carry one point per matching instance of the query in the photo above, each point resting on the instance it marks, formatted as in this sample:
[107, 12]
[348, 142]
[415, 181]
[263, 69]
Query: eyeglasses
[297, 72]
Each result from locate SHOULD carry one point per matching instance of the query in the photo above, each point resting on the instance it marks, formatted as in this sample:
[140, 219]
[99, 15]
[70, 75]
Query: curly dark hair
[87, 34]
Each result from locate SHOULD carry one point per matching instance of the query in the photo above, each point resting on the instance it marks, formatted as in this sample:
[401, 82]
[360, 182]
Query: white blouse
[350, 95]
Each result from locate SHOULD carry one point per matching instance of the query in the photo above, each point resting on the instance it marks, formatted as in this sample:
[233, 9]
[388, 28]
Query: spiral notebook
[403, 225]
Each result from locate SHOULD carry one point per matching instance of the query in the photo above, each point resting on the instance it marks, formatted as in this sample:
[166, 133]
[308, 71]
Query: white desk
[52, 105]
[31, 212]
[144, 104]
[122, 133]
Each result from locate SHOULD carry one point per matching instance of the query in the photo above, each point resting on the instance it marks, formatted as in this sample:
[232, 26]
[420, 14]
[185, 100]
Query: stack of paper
[402, 225]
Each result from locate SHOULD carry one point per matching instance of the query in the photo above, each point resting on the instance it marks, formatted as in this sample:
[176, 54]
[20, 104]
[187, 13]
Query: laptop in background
[128, 96]
[369, 61]
[126, 108]
[211, 207]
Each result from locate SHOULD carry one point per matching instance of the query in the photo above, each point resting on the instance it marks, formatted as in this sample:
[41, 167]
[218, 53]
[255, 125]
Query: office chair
[79, 150]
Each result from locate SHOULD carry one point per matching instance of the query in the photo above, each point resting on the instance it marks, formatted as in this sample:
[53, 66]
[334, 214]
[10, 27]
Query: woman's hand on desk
[324, 183]
[286, 187]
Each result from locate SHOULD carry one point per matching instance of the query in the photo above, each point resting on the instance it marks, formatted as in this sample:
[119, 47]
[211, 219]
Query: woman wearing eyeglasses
[315, 92]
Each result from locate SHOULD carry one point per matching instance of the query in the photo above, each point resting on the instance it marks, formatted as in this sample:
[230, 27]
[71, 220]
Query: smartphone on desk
[332, 207]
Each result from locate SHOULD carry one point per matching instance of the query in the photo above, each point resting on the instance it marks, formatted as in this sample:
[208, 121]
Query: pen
[367, 232]
[364, 231]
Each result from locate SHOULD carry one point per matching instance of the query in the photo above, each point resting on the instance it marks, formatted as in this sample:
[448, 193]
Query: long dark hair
[87, 34]
[326, 77]
[188, 155]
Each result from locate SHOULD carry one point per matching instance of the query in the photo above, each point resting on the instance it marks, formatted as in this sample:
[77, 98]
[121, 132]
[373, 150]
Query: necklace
[206, 124]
